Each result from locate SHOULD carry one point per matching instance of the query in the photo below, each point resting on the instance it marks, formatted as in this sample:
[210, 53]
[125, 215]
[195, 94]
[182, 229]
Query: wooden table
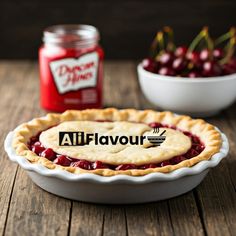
[210, 209]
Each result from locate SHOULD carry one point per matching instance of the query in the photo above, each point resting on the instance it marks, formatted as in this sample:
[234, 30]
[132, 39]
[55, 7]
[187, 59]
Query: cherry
[187, 133]
[191, 153]
[218, 53]
[34, 139]
[149, 65]
[82, 164]
[38, 149]
[37, 144]
[49, 154]
[194, 58]
[126, 167]
[63, 160]
[143, 167]
[179, 64]
[227, 69]
[99, 165]
[178, 159]
[195, 139]
[166, 71]
[194, 74]
[155, 125]
[204, 55]
[165, 163]
[181, 51]
[211, 68]
[166, 58]
[232, 63]
[199, 148]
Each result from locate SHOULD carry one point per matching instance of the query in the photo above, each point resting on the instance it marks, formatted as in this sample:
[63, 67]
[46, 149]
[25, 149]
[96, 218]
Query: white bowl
[119, 189]
[192, 96]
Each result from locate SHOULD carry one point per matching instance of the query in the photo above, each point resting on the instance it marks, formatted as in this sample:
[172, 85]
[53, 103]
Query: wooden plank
[35, 212]
[231, 133]
[190, 222]
[120, 85]
[32, 211]
[216, 195]
[114, 221]
[149, 219]
[7, 119]
[86, 219]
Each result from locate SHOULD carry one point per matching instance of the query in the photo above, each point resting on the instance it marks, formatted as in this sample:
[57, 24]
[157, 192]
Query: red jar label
[72, 74]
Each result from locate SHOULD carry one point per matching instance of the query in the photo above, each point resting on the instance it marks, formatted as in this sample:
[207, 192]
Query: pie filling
[38, 148]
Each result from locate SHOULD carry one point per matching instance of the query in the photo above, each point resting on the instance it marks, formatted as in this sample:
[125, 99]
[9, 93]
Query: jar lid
[81, 35]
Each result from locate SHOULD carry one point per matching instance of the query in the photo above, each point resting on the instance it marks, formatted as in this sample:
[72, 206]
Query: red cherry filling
[49, 154]
[83, 164]
[36, 147]
[62, 160]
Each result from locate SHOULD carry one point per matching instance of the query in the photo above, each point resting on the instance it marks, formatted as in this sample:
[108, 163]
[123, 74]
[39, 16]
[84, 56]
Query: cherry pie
[185, 141]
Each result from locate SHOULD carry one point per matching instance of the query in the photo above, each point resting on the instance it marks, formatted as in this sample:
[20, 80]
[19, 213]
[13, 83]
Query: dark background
[127, 26]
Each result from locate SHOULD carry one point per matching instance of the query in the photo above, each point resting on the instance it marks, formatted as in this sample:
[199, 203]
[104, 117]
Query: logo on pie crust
[80, 138]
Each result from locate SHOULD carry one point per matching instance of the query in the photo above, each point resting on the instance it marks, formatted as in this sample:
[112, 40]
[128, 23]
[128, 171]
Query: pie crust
[123, 118]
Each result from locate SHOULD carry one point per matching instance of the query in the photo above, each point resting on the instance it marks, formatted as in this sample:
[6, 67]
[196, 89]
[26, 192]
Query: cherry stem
[203, 33]
[158, 41]
[170, 38]
[230, 51]
[210, 45]
[226, 36]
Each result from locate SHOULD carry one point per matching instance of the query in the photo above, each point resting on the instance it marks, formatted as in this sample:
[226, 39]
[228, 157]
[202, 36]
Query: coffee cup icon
[157, 140]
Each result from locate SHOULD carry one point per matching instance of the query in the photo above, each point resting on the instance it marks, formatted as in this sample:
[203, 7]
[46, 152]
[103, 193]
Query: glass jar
[71, 68]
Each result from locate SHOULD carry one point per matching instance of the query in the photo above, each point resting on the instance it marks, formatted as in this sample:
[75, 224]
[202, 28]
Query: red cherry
[99, 165]
[166, 71]
[37, 144]
[34, 139]
[227, 69]
[144, 167]
[126, 167]
[63, 160]
[218, 53]
[179, 64]
[166, 59]
[165, 163]
[194, 58]
[178, 159]
[181, 51]
[194, 74]
[199, 148]
[232, 63]
[83, 164]
[187, 133]
[191, 153]
[149, 65]
[155, 125]
[37, 149]
[204, 54]
[195, 139]
[211, 68]
[49, 154]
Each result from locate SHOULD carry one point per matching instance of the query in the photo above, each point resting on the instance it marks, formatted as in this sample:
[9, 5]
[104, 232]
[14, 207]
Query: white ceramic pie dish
[119, 189]
[198, 97]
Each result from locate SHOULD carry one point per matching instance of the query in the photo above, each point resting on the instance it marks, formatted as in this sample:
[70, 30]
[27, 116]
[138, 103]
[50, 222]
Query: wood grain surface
[25, 209]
